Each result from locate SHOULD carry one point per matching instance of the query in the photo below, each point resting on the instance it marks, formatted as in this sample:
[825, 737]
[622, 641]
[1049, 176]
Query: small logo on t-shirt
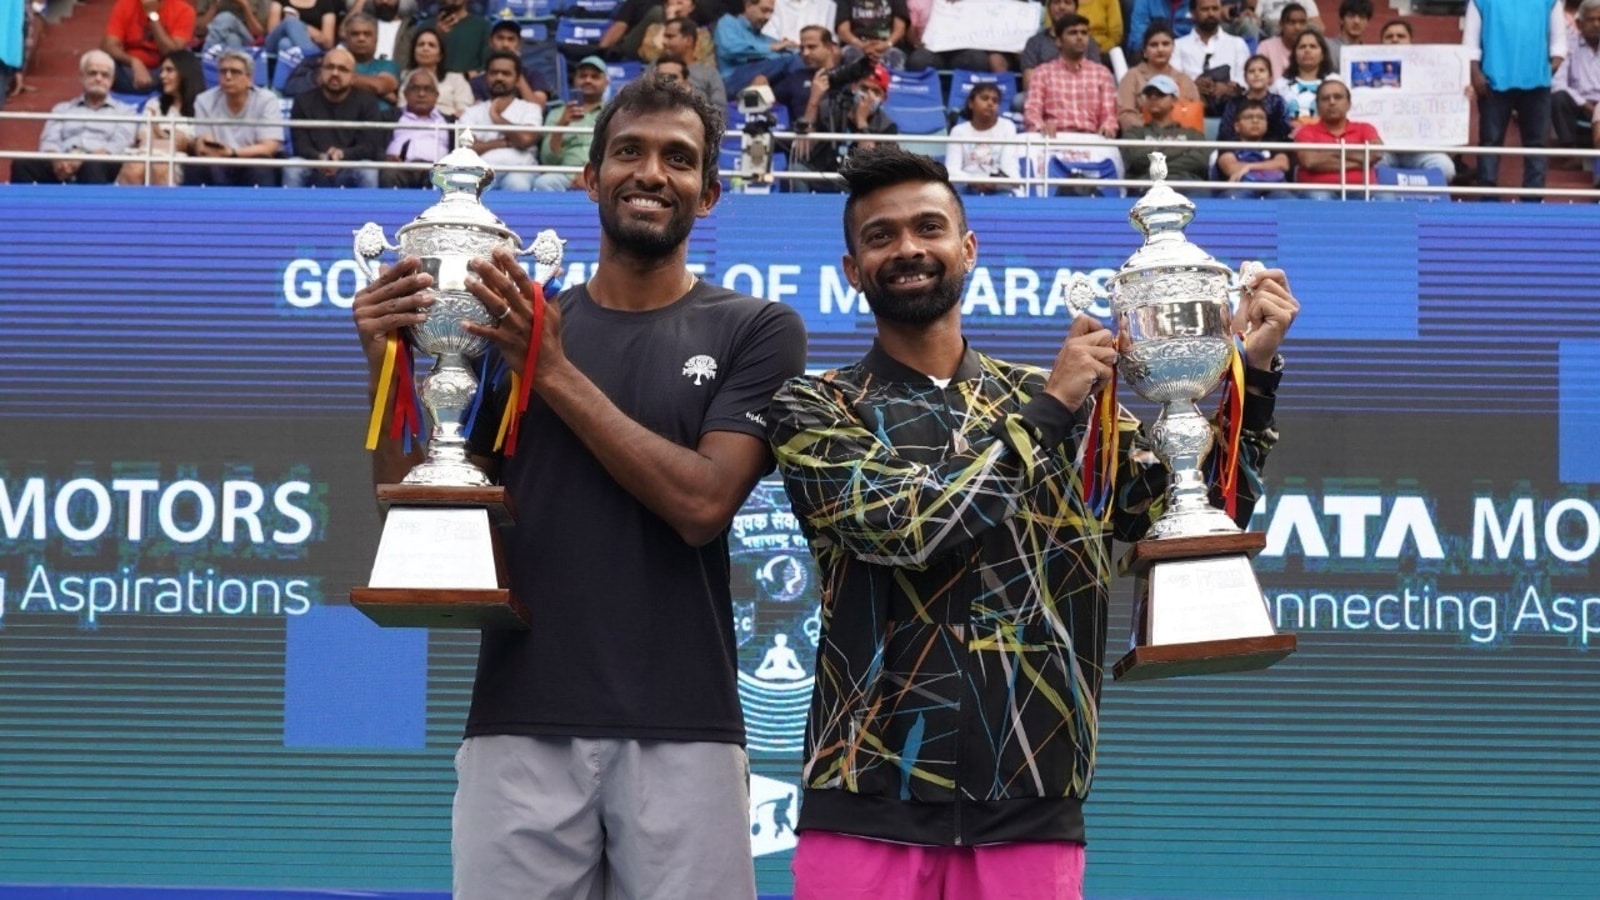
[701, 368]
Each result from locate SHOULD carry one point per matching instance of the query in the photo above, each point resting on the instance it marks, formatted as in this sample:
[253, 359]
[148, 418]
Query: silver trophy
[1173, 305]
[1198, 606]
[447, 236]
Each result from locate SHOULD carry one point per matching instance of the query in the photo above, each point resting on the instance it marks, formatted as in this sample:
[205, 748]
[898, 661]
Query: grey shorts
[581, 819]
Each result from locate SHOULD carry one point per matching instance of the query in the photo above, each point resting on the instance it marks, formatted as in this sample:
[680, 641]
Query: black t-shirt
[632, 631]
[871, 19]
[633, 12]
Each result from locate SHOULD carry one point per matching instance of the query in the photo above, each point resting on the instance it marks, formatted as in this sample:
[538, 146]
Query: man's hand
[65, 169]
[141, 73]
[504, 289]
[497, 109]
[1109, 130]
[1048, 130]
[1083, 364]
[819, 87]
[572, 112]
[1266, 310]
[394, 300]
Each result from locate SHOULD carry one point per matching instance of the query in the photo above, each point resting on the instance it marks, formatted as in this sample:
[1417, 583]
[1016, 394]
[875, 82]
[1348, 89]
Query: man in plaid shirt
[1075, 98]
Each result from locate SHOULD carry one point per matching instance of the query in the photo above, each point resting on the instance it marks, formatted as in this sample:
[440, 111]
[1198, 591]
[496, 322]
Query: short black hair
[1158, 27]
[1355, 8]
[649, 95]
[1068, 21]
[516, 61]
[499, 25]
[1248, 105]
[1402, 23]
[871, 169]
[686, 25]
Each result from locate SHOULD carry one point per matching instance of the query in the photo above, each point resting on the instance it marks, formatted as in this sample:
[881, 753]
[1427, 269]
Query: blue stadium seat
[621, 73]
[580, 31]
[1394, 175]
[916, 102]
[962, 80]
[523, 9]
[595, 9]
[1087, 170]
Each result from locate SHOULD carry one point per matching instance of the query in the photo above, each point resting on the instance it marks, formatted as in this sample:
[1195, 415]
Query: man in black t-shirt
[604, 746]
[873, 28]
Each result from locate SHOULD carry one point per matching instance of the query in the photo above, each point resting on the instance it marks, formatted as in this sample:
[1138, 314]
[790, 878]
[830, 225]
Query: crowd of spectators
[226, 83]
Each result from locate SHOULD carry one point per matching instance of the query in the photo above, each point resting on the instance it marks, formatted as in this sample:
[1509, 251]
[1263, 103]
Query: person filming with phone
[589, 83]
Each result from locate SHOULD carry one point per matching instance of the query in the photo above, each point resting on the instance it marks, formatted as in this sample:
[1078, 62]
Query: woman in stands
[169, 132]
[1158, 44]
[1258, 87]
[427, 52]
[1298, 86]
[973, 166]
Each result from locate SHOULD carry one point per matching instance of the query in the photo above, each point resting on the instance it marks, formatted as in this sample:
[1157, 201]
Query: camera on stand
[755, 140]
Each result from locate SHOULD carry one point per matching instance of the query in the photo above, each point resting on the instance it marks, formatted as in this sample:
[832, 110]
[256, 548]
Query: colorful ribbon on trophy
[521, 385]
[1100, 452]
[1230, 416]
[395, 377]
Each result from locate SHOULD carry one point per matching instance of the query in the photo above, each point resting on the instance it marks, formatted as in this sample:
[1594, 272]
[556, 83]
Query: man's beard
[385, 13]
[921, 308]
[645, 240]
[500, 89]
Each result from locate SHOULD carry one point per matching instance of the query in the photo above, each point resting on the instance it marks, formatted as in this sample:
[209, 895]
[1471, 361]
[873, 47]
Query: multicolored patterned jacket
[964, 594]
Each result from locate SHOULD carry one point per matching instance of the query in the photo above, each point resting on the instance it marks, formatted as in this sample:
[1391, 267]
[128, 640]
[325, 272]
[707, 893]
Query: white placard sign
[1412, 93]
[999, 25]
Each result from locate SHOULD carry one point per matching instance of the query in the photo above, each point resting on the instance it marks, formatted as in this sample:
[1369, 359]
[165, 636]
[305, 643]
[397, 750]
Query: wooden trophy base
[1199, 609]
[440, 563]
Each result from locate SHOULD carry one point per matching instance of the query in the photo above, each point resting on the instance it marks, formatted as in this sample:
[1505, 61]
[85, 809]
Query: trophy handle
[547, 248]
[369, 245]
[1080, 294]
[1247, 271]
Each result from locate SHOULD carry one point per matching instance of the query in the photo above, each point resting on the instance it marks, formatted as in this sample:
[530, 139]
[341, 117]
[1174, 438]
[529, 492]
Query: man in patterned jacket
[952, 730]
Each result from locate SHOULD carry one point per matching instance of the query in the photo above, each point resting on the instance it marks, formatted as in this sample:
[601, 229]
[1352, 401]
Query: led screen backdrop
[184, 503]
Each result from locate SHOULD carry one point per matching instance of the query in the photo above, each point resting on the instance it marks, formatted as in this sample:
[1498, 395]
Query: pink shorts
[832, 866]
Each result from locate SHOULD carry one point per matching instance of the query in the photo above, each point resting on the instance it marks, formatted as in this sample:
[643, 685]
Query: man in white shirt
[504, 107]
[1204, 52]
[789, 16]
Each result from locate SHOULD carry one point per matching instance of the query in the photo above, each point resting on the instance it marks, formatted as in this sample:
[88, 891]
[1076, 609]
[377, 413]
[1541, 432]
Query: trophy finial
[462, 170]
[1158, 166]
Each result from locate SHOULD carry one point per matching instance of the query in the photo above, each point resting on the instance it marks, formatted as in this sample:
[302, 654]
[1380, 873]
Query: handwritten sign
[1413, 94]
[999, 25]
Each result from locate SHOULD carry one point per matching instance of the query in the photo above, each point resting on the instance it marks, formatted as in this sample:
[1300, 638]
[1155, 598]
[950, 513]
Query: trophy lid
[1161, 215]
[461, 176]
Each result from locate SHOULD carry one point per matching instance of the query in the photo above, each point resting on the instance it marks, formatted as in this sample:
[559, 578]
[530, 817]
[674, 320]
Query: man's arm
[382, 83]
[695, 490]
[1558, 37]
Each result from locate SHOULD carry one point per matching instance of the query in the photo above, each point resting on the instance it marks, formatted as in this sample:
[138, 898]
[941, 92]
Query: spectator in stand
[139, 33]
[680, 37]
[226, 126]
[557, 149]
[818, 53]
[231, 24]
[1159, 98]
[1349, 168]
[790, 17]
[13, 49]
[498, 147]
[703, 52]
[1204, 52]
[974, 166]
[877, 30]
[465, 38]
[1271, 14]
[80, 129]
[1298, 86]
[394, 33]
[670, 69]
[379, 77]
[1354, 17]
[336, 99]
[631, 26]
[1073, 98]
[1576, 87]
[1515, 46]
[506, 37]
[1242, 20]
[427, 52]
[1248, 163]
[1041, 48]
[1258, 89]
[300, 31]
[855, 108]
[168, 131]
[744, 54]
[1278, 49]
[420, 135]
[1146, 13]
[1158, 45]
[1440, 161]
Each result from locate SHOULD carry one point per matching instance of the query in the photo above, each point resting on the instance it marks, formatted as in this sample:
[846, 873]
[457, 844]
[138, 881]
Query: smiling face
[910, 252]
[650, 185]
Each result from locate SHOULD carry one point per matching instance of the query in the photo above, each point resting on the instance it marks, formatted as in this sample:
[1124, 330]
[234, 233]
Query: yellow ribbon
[380, 403]
[509, 412]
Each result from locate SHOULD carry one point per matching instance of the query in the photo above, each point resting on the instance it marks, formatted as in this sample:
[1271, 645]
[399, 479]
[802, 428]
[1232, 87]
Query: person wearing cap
[589, 83]
[1158, 99]
[846, 109]
[506, 36]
